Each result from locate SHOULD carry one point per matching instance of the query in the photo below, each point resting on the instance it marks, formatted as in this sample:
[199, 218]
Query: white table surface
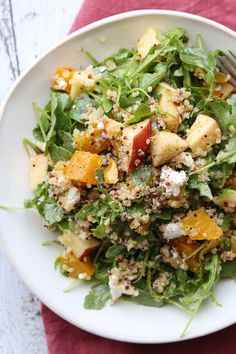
[27, 29]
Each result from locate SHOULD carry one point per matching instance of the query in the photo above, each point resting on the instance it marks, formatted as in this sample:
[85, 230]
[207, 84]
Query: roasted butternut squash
[199, 226]
[92, 140]
[82, 167]
[73, 266]
[62, 77]
[185, 249]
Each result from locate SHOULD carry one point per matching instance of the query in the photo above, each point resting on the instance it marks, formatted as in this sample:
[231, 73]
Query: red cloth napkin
[64, 338]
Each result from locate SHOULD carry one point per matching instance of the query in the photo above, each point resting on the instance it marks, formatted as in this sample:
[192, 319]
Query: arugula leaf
[100, 175]
[228, 269]
[140, 113]
[136, 208]
[60, 106]
[226, 155]
[46, 206]
[59, 153]
[221, 110]
[225, 243]
[165, 215]
[101, 271]
[141, 175]
[229, 154]
[43, 119]
[52, 214]
[63, 101]
[144, 297]
[79, 107]
[40, 194]
[28, 144]
[202, 187]
[119, 57]
[196, 58]
[152, 79]
[98, 295]
[192, 300]
[66, 140]
[100, 231]
[53, 118]
[225, 226]
[114, 251]
[103, 211]
[226, 171]
[106, 104]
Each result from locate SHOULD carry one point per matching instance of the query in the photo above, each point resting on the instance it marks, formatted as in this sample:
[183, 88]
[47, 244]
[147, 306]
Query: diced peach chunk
[199, 226]
[82, 167]
[111, 173]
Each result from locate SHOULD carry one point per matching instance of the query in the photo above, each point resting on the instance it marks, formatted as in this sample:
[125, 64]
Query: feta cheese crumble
[70, 199]
[185, 158]
[173, 230]
[172, 181]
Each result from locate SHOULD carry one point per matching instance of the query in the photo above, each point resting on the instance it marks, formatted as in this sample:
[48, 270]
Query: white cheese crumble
[173, 230]
[172, 181]
[71, 198]
[58, 183]
[100, 125]
[185, 158]
[84, 276]
[61, 84]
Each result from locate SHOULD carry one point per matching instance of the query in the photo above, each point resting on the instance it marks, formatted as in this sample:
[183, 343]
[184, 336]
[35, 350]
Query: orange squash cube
[74, 266]
[199, 226]
[62, 77]
[92, 141]
[82, 167]
[185, 249]
[111, 173]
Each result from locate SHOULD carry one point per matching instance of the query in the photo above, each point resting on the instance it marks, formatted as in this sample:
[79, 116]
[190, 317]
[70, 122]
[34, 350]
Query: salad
[134, 168]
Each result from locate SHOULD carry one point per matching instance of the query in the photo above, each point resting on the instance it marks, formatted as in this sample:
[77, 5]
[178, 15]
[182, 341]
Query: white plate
[22, 232]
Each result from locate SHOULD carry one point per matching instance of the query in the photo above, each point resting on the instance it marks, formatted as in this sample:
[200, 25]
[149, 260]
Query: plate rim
[7, 250]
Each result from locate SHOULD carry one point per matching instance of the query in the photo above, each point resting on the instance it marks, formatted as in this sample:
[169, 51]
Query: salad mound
[134, 167]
